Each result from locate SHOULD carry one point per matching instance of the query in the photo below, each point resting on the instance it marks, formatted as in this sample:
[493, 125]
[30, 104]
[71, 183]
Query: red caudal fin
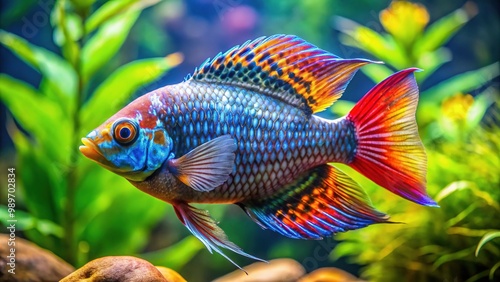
[389, 150]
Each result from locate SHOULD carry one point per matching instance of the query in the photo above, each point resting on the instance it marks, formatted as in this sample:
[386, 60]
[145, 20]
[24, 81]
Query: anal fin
[321, 202]
[203, 227]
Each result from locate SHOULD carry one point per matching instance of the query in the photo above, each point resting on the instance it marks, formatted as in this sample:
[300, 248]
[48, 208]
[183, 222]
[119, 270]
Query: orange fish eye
[125, 131]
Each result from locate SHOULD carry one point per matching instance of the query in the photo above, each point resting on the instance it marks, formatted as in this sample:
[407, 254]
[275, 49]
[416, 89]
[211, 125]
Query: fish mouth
[90, 150]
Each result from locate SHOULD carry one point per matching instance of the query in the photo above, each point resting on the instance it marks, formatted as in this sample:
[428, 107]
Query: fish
[242, 129]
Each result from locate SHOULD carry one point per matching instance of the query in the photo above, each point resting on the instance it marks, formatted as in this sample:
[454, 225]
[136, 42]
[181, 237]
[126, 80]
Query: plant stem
[70, 238]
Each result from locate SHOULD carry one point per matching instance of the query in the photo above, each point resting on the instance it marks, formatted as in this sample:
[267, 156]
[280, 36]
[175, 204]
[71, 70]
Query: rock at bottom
[119, 268]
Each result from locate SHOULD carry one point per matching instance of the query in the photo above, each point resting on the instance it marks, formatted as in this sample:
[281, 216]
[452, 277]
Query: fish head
[133, 143]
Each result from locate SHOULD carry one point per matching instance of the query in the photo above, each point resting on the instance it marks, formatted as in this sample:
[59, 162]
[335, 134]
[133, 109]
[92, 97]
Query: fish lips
[90, 150]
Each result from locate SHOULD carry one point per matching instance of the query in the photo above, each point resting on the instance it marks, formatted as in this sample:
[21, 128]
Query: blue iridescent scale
[275, 141]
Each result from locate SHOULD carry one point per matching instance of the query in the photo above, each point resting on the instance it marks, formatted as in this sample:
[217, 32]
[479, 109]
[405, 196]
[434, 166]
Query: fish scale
[275, 141]
[242, 129]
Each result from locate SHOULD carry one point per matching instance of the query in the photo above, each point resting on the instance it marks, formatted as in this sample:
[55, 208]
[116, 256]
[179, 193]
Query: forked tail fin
[389, 150]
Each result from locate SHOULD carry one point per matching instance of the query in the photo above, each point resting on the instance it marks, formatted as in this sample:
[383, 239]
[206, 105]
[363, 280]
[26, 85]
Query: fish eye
[125, 131]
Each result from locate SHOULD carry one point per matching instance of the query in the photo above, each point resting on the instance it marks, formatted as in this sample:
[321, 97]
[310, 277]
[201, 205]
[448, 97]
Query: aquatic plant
[461, 134]
[69, 206]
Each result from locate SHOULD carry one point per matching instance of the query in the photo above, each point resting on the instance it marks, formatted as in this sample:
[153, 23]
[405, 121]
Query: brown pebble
[329, 274]
[119, 269]
[32, 263]
[170, 275]
[282, 270]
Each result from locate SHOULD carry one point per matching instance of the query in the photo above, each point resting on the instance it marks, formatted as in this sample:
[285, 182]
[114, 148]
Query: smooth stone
[32, 262]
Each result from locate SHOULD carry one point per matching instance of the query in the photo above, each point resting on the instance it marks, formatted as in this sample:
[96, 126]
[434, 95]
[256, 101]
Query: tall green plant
[73, 207]
[458, 241]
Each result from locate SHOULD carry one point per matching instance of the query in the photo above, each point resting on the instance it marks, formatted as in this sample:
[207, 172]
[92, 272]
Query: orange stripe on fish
[321, 202]
[284, 67]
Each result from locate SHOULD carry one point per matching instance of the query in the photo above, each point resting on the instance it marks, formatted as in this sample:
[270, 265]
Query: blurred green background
[68, 65]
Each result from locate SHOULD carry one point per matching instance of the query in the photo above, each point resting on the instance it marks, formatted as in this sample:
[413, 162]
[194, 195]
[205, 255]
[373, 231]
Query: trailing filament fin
[203, 227]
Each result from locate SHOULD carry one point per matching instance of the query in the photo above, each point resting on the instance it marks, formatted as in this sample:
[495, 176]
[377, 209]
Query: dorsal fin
[284, 67]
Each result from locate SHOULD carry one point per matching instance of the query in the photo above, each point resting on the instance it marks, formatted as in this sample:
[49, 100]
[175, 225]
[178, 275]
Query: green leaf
[59, 75]
[133, 221]
[19, 98]
[431, 61]
[113, 8]
[431, 249]
[461, 83]
[464, 231]
[117, 89]
[175, 256]
[481, 104]
[452, 188]
[91, 199]
[67, 31]
[83, 4]
[103, 45]
[451, 257]
[342, 108]
[486, 238]
[346, 248]
[20, 140]
[41, 185]
[462, 215]
[478, 276]
[26, 221]
[40, 164]
[493, 270]
[382, 47]
[463, 185]
[377, 73]
[442, 30]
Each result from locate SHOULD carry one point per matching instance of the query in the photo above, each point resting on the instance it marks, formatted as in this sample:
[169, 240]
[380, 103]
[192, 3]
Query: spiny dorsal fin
[284, 67]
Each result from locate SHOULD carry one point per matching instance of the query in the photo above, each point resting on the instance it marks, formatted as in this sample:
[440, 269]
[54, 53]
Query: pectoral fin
[207, 166]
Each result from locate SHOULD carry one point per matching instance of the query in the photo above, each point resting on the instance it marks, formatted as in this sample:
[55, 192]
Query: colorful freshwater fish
[242, 130]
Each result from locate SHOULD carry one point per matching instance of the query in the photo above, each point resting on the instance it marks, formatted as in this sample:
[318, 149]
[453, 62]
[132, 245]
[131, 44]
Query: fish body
[242, 130]
[274, 140]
